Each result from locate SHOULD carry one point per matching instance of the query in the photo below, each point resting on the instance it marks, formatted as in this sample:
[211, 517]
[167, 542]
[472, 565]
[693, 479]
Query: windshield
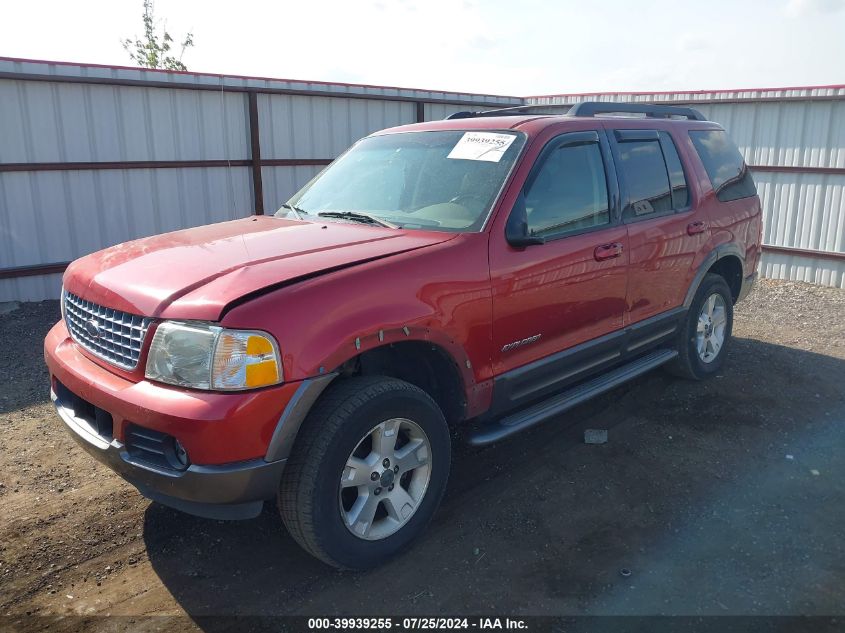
[444, 181]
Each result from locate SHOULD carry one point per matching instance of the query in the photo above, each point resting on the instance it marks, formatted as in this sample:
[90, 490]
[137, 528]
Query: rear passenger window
[724, 164]
[569, 193]
[646, 177]
[680, 191]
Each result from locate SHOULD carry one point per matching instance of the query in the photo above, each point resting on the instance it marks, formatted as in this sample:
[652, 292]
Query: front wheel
[367, 472]
[706, 333]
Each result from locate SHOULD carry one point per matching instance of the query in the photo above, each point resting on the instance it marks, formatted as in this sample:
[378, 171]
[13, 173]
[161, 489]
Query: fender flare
[720, 252]
[294, 415]
[310, 389]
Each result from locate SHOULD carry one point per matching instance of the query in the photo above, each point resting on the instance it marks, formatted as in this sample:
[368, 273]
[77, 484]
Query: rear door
[570, 289]
[666, 227]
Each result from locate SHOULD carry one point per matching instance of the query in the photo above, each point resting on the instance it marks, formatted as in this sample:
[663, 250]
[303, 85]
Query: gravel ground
[724, 497]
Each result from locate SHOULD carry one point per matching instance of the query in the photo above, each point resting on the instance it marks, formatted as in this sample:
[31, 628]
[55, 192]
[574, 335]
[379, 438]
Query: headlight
[204, 356]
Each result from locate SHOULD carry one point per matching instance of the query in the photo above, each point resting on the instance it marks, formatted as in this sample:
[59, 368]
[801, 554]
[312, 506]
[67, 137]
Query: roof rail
[592, 108]
[511, 111]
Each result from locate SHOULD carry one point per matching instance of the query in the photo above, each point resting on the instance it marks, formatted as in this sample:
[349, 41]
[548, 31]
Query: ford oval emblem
[92, 328]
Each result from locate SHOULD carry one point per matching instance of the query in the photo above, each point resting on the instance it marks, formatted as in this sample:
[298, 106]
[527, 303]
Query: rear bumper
[747, 285]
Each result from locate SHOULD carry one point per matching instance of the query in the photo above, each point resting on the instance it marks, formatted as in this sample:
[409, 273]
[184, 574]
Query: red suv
[490, 270]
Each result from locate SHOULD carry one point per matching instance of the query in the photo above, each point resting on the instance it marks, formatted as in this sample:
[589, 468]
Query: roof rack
[592, 108]
[511, 111]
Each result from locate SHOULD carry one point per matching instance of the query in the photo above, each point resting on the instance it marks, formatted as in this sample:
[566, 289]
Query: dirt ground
[724, 497]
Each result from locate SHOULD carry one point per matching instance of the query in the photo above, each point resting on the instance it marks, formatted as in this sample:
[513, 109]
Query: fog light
[180, 453]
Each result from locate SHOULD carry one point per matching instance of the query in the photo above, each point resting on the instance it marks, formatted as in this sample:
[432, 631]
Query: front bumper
[227, 491]
[226, 435]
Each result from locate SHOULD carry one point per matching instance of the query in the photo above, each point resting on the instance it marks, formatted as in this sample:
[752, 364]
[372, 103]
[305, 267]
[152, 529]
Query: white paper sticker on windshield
[482, 146]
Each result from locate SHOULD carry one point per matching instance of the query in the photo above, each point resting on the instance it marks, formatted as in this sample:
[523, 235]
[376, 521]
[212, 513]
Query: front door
[570, 289]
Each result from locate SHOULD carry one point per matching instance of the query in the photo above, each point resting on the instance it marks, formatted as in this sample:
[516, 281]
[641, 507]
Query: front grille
[114, 336]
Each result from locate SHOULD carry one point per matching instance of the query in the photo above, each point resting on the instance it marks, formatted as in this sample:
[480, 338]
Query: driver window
[569, 193]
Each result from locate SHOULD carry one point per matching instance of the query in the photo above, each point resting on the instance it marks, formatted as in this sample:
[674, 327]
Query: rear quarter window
[725, 166]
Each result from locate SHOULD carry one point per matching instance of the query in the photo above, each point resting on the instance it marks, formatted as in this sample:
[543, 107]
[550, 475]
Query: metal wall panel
[439, 111]
[58, 113]
[280, 183]
[55, 216]
[65, 122]
[323, 127]
[804, 92]
[825, 272]
[783, 133]
[117, 74]
[803, 210]
[31, 288]
[795, 134]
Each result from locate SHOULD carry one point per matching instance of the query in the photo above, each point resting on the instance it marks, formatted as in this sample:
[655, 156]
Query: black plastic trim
[593, 108]
[226, 491]
[571, 139]
[747, 286]
[555, 405]
[294, 414]
[665, 138]
[628, 136]
[723, 250]
[546, 376]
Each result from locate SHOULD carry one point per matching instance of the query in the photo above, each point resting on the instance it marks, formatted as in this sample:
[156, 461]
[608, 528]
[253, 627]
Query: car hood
[196, 273]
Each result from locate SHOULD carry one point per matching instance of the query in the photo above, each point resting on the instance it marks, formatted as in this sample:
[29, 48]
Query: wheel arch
[727, 261]
[422, 363]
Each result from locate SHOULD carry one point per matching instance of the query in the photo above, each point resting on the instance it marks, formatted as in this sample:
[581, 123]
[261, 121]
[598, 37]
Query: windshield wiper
[357, 216]
[296, 210]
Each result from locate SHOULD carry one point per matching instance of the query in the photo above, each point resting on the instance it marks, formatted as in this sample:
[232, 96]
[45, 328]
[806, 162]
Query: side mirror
[516, 229]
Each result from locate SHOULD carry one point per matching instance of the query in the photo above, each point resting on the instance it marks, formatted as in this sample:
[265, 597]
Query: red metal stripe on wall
[31, 271]
[162, 164]
[295, 162]
[126, 164]
[790, 169]
[803, 252]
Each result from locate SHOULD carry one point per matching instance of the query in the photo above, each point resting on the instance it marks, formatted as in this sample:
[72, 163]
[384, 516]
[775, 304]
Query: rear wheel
[706, 333]
[367, 472]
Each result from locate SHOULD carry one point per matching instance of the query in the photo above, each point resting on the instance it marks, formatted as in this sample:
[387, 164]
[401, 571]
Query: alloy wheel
[385, 479]
[710, 330]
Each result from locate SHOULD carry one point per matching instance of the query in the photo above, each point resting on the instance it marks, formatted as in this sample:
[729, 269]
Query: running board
[558, 403]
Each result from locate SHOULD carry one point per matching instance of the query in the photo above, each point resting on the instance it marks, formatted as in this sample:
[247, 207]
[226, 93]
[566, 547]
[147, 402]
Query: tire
[689, 362]
[355, 415]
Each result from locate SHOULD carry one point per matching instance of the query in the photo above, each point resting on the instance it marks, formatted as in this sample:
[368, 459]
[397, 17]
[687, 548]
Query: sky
[503, 47]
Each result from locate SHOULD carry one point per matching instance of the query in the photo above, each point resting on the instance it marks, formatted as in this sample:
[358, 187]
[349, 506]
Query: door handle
[696, 227]
[607, 251]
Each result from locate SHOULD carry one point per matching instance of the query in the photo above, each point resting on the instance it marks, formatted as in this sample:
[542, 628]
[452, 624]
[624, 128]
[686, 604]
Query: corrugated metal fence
[794, 141]
[92, 156]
